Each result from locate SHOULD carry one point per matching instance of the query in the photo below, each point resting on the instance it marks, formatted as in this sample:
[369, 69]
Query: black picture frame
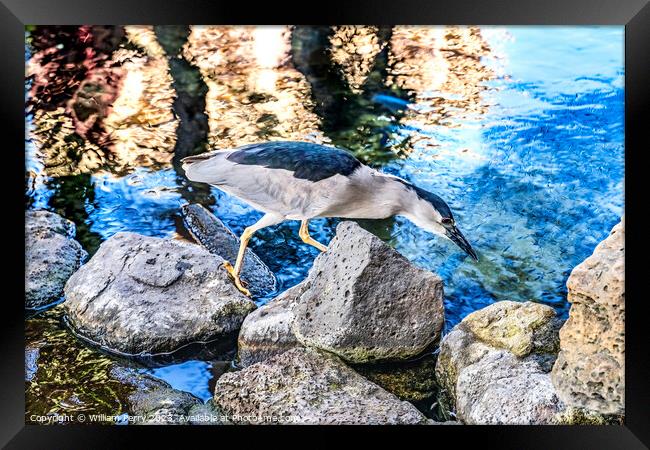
[634, 14]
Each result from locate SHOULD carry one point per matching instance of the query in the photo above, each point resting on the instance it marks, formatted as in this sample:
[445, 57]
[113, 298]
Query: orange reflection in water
[354, 49]
[117, 118]
[443, 67]
[141, 122]
[254, 92]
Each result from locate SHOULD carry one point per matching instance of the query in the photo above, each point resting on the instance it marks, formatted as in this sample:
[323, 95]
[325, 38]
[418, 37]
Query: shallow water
[519, 129]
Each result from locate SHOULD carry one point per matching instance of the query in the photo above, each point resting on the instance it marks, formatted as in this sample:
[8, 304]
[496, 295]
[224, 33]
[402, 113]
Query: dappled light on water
[117, 117]
[519, 129]
[354, 49]
[255, 93]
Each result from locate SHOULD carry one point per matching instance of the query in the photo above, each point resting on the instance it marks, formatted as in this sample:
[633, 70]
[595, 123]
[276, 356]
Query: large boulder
[590, 368]
[211, 233]
[493, 366]
[51, 257]
[267, 330]
[146, 295]
[365, 302]
[308, 386]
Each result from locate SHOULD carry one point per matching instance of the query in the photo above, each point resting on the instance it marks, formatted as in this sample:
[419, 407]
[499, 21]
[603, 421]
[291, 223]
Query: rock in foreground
[145, 295]
[93, 383]
[211, 233]
[267, 330]
[51, 256]
[364, 302]
[307, 386]
[590, 369]
[493, 366]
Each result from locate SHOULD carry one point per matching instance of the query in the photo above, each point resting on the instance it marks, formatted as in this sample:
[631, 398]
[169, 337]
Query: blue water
[534, 176]
[190, 376]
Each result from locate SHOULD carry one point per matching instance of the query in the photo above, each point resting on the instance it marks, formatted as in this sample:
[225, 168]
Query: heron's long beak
[457, 237]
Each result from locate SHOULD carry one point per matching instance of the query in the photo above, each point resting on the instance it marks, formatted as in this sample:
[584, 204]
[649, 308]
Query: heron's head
[431, 213]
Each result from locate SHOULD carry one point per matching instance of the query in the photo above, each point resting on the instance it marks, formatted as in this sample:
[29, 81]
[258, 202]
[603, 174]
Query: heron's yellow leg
[307, 239]
[234, 272]
[266, 221]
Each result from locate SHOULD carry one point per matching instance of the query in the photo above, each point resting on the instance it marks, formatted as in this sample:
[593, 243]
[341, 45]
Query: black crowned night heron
[300, 181]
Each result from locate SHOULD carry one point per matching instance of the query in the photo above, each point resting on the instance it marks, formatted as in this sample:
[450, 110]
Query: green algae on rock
[409, 380]
[485, 382]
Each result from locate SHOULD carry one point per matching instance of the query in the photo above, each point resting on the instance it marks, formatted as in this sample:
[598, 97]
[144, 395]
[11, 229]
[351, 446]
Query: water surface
[519, 129]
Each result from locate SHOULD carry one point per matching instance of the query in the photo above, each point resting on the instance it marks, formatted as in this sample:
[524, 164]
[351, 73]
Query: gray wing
[272, 190]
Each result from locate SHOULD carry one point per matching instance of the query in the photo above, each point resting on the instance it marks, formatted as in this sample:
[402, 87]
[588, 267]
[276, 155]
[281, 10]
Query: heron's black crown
[437, 202]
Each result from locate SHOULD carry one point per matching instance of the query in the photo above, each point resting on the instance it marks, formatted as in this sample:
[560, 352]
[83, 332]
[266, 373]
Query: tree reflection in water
[111, 110]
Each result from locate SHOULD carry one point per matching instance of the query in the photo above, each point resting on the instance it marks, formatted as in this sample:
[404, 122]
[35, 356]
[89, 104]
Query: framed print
[395, 217]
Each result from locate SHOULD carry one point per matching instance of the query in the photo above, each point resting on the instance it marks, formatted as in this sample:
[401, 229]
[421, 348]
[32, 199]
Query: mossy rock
[582, 416]
[411, 380]
[521, 328]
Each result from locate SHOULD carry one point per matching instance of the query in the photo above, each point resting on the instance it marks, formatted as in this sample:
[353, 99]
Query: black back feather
[307, 161]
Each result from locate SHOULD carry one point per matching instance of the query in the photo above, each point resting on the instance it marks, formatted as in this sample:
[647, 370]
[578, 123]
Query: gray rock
[308, 386]
[145, 295]
[51, 256]
[267, 330]
[155, 402]
[502, 389]
[207, 414]
[493, 366]
[211, 233]
[365, 302]
[590, 369]
[447, 422]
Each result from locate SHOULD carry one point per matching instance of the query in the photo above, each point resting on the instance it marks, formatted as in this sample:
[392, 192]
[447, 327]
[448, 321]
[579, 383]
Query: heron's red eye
[447, 220]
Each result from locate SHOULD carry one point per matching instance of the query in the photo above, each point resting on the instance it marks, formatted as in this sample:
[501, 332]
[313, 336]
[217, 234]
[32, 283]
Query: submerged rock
[364, 302]
[409, 380]
[211, 233]
[207, 414]
[145, 295]
[493, 366]
[590, 368]
[267, 330]
[64, 376]
[153, 401]
[51, 256]
[308, 386]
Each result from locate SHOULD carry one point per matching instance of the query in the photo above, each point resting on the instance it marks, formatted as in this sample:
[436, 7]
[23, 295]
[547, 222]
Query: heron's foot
[307, 239]
[239, 284]
[314, 243]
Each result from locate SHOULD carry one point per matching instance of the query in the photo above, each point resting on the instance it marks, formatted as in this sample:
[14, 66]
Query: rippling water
[520, 129]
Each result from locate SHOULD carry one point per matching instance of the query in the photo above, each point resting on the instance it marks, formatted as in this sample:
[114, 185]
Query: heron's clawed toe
[229, 268]
[239, 284]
